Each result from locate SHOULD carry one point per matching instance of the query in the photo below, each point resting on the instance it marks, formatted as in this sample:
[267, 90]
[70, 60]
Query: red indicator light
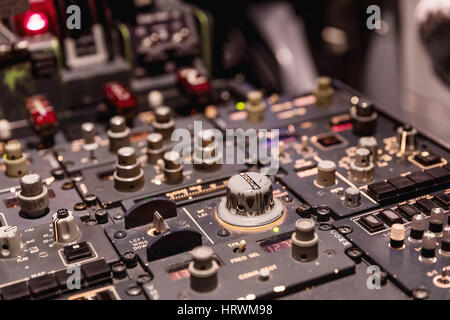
[36, 22]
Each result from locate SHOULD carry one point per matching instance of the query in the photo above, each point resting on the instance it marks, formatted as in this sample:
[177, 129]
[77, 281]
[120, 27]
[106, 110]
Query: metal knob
[361, 168]
[255, 107]
[305, 241]
[88, 131]
[33, 197]
[203, 270]
[128, 176]
[326, 173]
[207, 155]
[352, 197]
[65, 228]
[155, 147]
[173, 167]
[164, 123]
[15, 161]
[324, 92]
[118, 134]
[249, 201]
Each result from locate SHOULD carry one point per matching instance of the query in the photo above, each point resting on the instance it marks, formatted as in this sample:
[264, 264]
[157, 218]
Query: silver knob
[164, 122]
[128, 176]
[352, 197]
[118, 134]
[361, 168]
[203, 270]
[88, 131]
[155, 147]
[15, 161]
[173, 167]
[305, 241]
[406, 139]
[371, 144]
[249, 201]
[65, 228]
[33, 197]
[207, 155]
[326, 173]
[255, 107]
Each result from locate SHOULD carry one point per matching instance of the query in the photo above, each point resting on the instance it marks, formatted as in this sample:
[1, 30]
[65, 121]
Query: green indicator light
[240, 106]
[276, 229]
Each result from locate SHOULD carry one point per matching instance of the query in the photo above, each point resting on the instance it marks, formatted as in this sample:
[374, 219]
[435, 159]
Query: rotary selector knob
[173, 167]
[88, 132]
[155, 147]
[418, 224]
[326, 173]
[249, 201]
[352, 197]
[406, 139]
[11, 244]
[163, 122]
[65, 228]
[371, 144]
[128, 176]
[255, 106]
[203, 270]
[305, 241]
[362, 168]
[364, 117]
[324, 92]
[33, 196]
[118, 134]
[428, 251]
[15, 160]
[436, 220]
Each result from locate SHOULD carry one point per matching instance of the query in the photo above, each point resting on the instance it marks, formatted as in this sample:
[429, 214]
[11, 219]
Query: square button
[372, 223]
[408, 211]
[390, 217]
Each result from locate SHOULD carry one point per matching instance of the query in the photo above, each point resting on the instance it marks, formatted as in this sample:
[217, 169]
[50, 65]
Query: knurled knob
[249, 201]
[362, 168]
[33, 197]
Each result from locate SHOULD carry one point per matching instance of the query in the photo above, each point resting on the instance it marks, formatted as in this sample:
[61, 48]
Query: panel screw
[120, 234]
[420, 294]
[345, 229]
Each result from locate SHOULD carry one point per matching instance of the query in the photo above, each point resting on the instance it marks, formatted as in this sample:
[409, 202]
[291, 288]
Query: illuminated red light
[36, 22]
